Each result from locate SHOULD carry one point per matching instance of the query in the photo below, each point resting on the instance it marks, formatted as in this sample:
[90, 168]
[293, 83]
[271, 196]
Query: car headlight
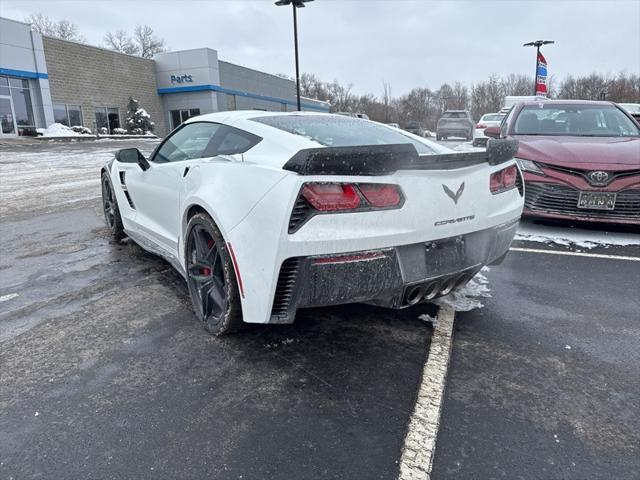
[529, 166]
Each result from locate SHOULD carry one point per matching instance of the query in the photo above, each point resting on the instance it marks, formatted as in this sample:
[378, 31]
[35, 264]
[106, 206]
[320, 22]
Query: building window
[178, 117]
[107, 119]
[17, 89]
[60, 114]
[75, 115]
[69, 115]
[4, 86]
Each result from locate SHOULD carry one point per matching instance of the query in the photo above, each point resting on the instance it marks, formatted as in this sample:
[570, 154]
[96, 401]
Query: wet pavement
[544, 381]
[105, 373]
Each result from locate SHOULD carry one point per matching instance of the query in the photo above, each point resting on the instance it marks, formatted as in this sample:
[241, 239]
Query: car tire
[211, 277]
[110, 208]
[438, 137]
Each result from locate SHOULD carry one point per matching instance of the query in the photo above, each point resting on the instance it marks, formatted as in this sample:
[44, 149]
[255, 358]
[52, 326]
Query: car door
[156, 191]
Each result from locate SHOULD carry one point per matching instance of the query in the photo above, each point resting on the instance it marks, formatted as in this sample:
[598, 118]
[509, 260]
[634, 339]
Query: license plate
[446, 256]
[597, 200]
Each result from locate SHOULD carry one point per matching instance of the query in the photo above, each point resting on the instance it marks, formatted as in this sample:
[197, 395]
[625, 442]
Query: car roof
[233, 115]
[566, 102]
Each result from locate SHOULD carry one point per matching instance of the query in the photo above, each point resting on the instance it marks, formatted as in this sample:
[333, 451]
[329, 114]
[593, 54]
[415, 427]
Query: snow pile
[468, 147]
[468, 297]
[574, 236]
[58, 130]
[425, 317]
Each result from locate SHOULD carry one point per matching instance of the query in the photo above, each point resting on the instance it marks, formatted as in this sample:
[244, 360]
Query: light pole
[295, 4]
[537, 44]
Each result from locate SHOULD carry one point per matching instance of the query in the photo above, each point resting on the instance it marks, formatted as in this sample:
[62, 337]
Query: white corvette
[267, 212]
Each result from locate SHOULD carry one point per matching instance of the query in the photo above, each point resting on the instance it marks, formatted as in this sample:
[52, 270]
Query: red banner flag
[541, 76]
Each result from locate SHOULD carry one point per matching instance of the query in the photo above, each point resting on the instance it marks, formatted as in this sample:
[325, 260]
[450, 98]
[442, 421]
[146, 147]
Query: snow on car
[267, 212]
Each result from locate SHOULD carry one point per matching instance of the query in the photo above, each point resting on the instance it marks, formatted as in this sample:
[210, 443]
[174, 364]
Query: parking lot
[105, 372]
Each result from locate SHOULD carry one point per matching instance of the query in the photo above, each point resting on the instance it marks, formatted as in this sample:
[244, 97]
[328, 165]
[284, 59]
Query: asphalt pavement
[106, 374]
[544, 380]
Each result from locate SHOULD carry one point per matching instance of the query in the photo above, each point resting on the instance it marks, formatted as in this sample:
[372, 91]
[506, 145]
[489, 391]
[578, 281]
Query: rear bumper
[393, 277]
[462, 132]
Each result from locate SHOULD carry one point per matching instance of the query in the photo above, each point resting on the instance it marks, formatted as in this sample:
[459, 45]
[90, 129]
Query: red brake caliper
[206, 270]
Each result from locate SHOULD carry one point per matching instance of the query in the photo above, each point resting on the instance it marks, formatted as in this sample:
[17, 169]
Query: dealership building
[45, 80]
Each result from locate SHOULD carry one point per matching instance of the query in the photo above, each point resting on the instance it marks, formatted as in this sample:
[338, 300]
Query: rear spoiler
[386, 159]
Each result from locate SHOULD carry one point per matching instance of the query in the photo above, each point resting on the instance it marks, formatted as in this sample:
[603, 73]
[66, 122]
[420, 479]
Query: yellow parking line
[576, 254]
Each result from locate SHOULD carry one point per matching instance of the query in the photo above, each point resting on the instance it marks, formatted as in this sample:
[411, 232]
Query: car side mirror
[132, 155]
[492, 132]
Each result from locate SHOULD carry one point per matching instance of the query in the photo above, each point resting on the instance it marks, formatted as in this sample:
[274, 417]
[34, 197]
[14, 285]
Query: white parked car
[632, 108]
[267, 212]
[487, 120]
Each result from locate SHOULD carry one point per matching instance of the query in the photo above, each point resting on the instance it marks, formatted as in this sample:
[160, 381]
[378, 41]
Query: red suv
[580, 159]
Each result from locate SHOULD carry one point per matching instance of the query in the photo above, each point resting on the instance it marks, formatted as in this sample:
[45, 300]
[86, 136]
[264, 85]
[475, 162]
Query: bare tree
[460, 98]
[517, 84]
[147, 42]
[386, 100]
[63, 29]
[121, 42]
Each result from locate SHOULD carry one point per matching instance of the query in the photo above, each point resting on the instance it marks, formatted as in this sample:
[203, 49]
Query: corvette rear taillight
[320, 197]
[503, 180]
[329, 197]
[380, 195]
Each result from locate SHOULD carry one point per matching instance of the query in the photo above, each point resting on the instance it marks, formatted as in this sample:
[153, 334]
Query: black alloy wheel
[211, 277]
[110, 209]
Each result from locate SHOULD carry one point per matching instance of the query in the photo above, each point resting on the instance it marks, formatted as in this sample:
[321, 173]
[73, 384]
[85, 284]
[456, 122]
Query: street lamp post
[295, 4]
[537, 44]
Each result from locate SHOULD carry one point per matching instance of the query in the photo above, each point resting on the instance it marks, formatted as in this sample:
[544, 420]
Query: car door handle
[186, 170]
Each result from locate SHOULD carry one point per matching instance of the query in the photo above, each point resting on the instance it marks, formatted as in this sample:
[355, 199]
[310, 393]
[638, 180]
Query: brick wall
[94, 77]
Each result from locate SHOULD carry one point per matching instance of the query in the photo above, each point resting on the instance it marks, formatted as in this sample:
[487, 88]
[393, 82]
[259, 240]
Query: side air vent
[126, 194]
[123, 184]
[285, 287]
[302, 211]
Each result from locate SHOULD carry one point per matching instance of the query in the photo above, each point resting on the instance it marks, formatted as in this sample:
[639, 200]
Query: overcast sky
[408, 44]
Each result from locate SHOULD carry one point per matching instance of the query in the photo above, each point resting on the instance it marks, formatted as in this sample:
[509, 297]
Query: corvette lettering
[454, 220]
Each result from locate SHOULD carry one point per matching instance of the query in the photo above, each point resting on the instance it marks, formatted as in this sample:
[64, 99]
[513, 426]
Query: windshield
[338, 131]
[454, 115]
[493, 118]
[574, 120]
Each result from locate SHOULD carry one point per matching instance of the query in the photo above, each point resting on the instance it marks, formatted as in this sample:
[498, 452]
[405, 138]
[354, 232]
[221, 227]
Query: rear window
[454, 115]
[339, 131]
[493, 118]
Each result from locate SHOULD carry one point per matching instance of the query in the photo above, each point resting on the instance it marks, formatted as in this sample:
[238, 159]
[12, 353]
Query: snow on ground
[58, 130]
[40, 178]
[468, 147]
[468, 297]
[576, 237]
